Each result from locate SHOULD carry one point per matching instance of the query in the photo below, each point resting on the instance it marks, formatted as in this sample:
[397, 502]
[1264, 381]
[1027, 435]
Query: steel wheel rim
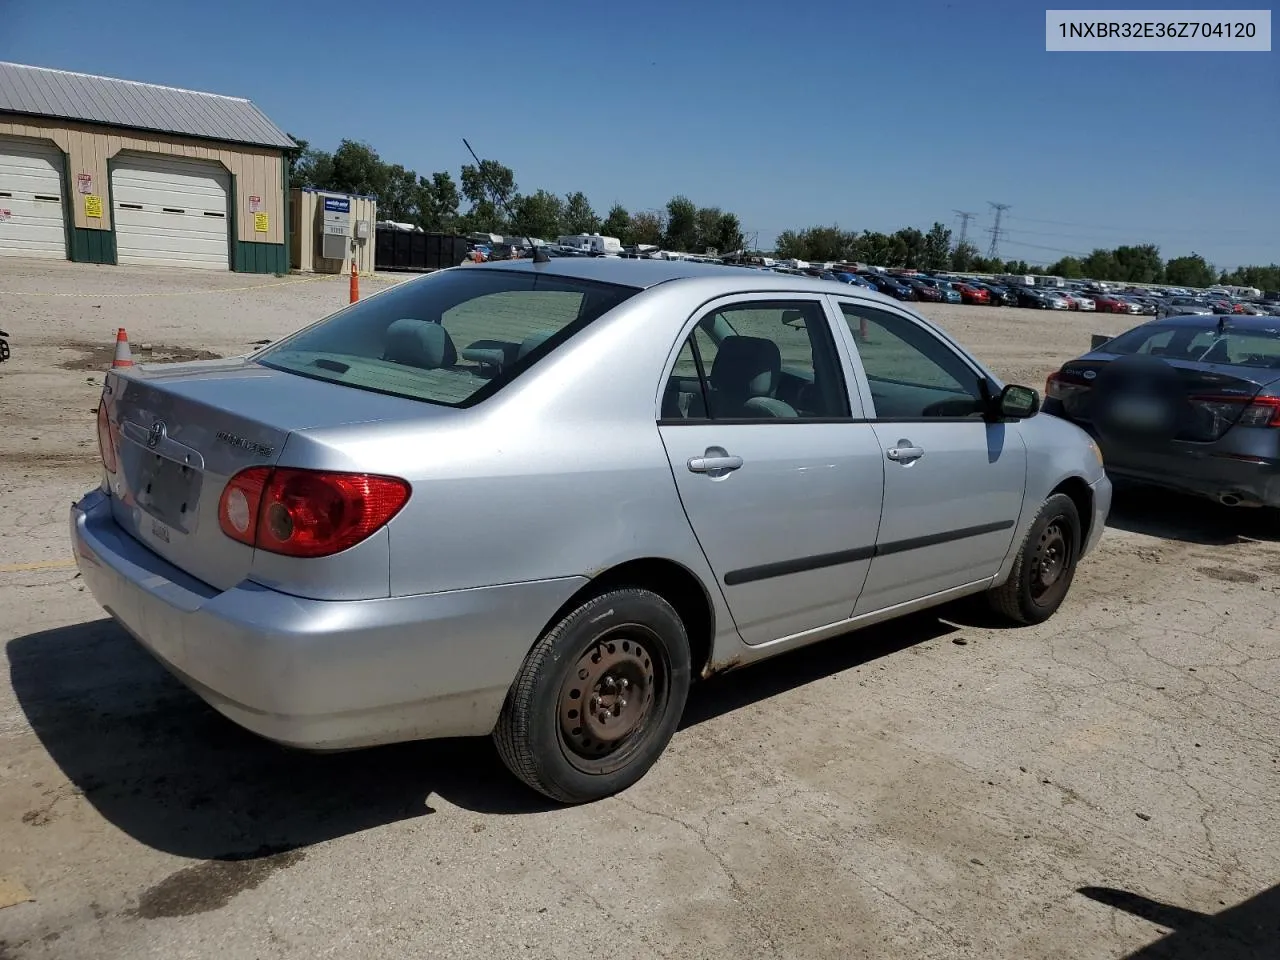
[1050, 560]
[612, 699]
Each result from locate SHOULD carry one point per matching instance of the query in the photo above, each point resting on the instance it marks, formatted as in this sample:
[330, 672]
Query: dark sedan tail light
[1254, 412]
[1064, 385]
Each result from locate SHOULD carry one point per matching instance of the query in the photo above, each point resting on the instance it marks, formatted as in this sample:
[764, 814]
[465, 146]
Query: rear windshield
[1241, 348]
[453, 338]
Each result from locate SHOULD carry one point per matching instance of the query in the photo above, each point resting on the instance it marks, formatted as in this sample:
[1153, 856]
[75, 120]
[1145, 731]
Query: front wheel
[1044, 567]
[598, 697]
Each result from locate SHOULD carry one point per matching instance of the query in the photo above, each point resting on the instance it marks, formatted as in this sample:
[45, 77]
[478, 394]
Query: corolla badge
[156, 433]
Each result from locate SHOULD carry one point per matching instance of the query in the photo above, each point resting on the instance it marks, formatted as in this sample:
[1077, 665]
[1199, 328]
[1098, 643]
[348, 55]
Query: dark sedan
[922, 290]
[890, 285]
[1189, 403]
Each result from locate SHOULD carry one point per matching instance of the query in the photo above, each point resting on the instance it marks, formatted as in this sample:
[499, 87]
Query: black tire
[1044, 567]
[629, 639]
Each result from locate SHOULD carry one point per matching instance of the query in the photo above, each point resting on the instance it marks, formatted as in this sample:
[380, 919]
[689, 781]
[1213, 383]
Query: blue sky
[789, 114]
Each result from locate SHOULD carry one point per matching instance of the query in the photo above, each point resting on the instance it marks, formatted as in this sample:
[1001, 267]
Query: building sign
[337, 205]
[261, 224]
[255, 204]
[84, 182]
[93, 206]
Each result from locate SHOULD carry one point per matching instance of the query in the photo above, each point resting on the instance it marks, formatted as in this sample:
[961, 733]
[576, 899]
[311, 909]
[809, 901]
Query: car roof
[1235, 321]
[643, 274]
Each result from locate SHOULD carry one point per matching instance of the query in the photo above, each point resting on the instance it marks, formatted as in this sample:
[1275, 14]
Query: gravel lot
[1101, 786]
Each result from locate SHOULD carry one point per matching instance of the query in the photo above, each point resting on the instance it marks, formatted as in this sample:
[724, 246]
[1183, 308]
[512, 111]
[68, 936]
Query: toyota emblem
[156, 433]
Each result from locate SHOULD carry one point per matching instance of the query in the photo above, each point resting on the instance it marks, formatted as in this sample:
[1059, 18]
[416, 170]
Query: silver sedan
[538, 500]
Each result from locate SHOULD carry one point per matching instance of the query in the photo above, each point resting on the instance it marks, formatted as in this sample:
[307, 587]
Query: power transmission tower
[964, 226]
[994, 250]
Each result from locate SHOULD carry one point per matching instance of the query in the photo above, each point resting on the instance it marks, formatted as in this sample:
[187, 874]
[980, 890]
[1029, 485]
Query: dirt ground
[1101, 786]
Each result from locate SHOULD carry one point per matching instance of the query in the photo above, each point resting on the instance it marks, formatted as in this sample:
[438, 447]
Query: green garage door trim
[260, 258]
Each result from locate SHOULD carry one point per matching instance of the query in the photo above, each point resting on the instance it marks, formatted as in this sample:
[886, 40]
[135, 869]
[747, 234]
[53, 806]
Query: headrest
[747, 366]
[419, 343]
[533, 341]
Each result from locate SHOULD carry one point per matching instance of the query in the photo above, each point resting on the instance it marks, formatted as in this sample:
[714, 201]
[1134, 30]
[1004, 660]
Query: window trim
[844, 366]
[994, 384]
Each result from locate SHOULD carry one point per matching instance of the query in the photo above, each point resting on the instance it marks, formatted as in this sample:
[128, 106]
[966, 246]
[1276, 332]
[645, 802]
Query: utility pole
[994, 250]
[964, 226]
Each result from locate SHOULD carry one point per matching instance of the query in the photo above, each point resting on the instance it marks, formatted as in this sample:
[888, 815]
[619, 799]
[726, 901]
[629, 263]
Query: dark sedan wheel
[598, 698]
[1045, 565]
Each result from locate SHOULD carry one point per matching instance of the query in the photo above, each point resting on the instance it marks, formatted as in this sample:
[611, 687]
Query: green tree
[578, 216]
[789, 245]
[440, 209]
[648, 227]
[1101, 265]
[874, 248]
[964, 257]
[707, 229]
[1139, 264]
[357, 168]
[617, 224]
[539, 214]
[1189, 271]
[1069, 268]
[1264, 278]
[935, 252]
[729, 234]
[908, 245]
[682, 225]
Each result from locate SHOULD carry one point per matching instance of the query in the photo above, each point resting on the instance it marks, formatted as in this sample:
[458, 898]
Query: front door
[780, 482]
[954, 483]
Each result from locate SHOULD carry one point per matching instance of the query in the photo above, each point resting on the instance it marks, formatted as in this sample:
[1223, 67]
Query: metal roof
[43, 92]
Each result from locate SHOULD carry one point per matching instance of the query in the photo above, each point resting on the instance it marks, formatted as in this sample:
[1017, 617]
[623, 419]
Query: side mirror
[1018, 403]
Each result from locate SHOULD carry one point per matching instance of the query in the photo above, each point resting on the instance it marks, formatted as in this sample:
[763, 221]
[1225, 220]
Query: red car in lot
[972, 295]
[1109, 304]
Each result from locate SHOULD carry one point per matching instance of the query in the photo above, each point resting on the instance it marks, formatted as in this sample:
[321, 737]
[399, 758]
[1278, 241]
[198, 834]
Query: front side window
[758, 360]
[913, 375]
[453, 338]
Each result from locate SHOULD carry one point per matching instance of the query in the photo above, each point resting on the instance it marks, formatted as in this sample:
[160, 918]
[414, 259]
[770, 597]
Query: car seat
[744, 378]
[425, 344]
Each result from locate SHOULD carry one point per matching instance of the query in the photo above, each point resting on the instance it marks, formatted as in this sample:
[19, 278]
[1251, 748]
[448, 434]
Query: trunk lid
[182, 430]
[1216, 393]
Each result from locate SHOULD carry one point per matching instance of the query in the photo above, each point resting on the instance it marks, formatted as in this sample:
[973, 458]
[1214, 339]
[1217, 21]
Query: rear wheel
[598, 697]
[1044, 567]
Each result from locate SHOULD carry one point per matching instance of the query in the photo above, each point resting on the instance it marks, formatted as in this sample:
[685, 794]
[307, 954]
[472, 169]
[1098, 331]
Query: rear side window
[451, 338]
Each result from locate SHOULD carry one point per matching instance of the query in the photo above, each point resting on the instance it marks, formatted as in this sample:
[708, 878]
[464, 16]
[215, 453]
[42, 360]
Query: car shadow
[1174, 516]
[165, 768]
[1247, 931]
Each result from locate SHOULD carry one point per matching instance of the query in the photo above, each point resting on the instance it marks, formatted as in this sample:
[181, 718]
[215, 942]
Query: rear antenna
[539, 255]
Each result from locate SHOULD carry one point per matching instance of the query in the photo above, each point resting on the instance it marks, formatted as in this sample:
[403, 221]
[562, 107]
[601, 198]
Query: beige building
[112, 171]
[324, 224]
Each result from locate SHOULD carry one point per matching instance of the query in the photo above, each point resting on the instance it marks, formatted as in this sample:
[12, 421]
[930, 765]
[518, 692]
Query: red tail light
[1257, 412]
[1062, 384]
[307, 513]
[106, 443]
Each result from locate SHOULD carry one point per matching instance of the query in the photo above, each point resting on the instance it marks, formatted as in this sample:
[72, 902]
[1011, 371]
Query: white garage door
[31, 217]
[170, 211]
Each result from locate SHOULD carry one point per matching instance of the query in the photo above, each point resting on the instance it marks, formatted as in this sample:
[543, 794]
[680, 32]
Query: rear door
[954, 483]
[779, 475]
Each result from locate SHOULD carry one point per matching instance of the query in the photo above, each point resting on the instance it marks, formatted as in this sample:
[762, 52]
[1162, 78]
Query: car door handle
[714, 464]
[904, 452]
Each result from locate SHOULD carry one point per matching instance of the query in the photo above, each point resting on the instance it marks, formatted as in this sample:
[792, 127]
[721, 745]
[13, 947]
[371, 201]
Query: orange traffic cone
[355, 282]
[123, 357]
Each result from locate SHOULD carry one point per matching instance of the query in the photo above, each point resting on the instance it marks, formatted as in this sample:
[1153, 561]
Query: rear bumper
[319, 674]
[1203, 470]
